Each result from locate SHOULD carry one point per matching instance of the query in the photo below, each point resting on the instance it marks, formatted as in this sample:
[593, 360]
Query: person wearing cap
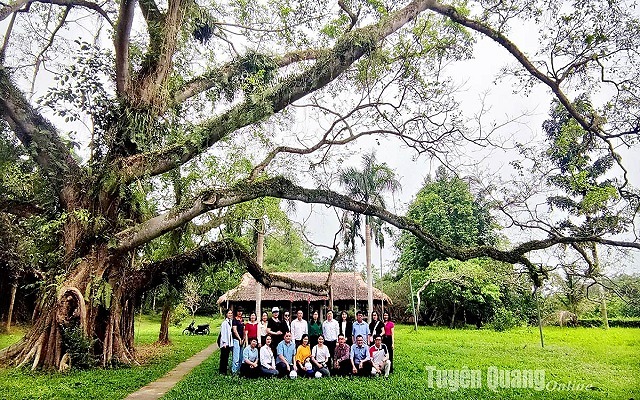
[274, 329]
[359, 328]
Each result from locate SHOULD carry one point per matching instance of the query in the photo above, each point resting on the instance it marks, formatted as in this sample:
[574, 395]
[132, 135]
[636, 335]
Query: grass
[105, 383]
[605, 363]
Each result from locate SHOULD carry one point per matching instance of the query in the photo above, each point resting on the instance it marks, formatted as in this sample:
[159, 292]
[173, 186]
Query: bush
[613, 322]
[78, 346]
[503, 320]
[179, 314]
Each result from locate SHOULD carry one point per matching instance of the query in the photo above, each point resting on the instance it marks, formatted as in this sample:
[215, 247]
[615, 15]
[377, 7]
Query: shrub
[78, 346]
[613, 322]
[503, 320]
[179, 314]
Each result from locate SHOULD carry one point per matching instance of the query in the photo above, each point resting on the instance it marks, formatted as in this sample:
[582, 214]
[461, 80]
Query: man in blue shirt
[286, 351]
[359, 328]
[360, 360]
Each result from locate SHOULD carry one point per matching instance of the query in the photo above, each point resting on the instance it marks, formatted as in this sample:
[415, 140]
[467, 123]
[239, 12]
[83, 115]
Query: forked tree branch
[347, 51]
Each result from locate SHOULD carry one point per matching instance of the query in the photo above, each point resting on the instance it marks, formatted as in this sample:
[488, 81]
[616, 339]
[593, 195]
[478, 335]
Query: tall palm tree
[367, 185]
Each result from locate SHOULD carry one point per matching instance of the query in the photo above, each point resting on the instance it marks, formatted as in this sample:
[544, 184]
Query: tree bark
[367, 238]
[163, 337]
[12, 299]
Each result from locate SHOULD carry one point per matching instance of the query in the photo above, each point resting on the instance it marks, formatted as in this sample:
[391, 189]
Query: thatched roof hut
[348, 290]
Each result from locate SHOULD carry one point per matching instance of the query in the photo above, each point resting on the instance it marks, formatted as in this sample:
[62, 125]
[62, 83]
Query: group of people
[297, 348]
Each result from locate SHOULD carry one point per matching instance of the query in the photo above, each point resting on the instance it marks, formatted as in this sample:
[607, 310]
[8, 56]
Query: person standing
[226, 342]
[360, 360]
[346, 327]
[389, 337]
[379, 355]
[299, 327]
[341, 357]
[286, 322]
[267, 360]
[274, 329]
[262, 328]
[359, 328]
[251, 329]
[376, 327]
[315, 329]
[330, 331]
[320, 357]
[238, 340]
[250, 363]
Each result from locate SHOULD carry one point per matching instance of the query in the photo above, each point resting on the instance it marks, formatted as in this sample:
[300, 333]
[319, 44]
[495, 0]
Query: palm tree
[367, 185]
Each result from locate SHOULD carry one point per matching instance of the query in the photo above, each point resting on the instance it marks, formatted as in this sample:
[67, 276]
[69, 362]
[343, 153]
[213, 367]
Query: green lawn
[106, 383]
[605, 363]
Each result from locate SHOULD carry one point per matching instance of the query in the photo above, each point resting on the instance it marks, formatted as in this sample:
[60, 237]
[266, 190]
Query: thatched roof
[342, 284]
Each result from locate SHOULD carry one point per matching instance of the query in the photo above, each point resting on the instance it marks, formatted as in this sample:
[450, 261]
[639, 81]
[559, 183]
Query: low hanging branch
[172, 268]
[285, 189]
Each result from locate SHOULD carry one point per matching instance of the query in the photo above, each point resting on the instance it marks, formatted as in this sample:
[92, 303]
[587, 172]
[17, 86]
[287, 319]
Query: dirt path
[157, 389]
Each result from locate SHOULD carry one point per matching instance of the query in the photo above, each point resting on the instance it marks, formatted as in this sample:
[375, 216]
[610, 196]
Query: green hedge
[613, 322]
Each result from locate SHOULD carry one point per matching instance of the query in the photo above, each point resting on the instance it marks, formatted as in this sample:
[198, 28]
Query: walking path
[157, 389]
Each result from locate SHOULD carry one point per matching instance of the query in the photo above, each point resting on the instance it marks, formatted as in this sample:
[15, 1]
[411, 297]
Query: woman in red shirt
[251, 329]
[389, 336]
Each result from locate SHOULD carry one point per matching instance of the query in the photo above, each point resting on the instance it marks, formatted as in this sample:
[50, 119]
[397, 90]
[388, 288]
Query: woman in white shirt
[226, 343]
[267, 361]
[262, 328]
[320, 357]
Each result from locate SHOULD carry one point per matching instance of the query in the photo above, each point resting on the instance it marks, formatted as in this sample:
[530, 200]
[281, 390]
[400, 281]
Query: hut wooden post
[331, 297]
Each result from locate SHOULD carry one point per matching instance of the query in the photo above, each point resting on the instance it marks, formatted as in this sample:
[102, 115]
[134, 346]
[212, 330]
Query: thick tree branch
[121, 45]
[36, 134]
[347, 51]
[222, 74]
[153, 274]
[285, 189]
[164, 35]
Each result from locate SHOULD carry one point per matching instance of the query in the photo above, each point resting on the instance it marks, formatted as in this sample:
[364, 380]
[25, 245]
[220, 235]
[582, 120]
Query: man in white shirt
[379, 358]
[330, 331]
[299, 327]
